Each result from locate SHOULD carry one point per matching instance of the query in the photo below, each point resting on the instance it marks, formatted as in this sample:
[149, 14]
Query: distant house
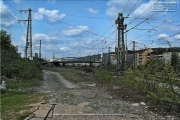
[164, 54]
[142, 56]
[108, 57]
[130, 57]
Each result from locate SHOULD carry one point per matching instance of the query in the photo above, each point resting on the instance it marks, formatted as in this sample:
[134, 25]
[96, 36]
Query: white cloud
[17, 1]
[116, 3]
[117, 6]
[142, 11]
[7, 17]
[91, 10]
[52, 1]
[45, 38]
[75, 31]
[64, 48]
[37, 16]
[164, 37]
[78, 44]
[164, 40]
[112, 12]
[52, 16]
[169, 27]
[177, 37]
[137, 41]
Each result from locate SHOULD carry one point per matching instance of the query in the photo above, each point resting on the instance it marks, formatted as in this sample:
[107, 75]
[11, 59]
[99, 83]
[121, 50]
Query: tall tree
[5, 40]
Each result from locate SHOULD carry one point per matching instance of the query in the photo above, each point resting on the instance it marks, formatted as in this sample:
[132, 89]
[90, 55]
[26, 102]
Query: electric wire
[14, 20]
[157, 26]
[111, 41]
[11, 5]
[108, 28]
[133, 8]
[142, 14]
[16, 5]
[13, 16]
[125, 6]
[88, 17]
[159, 40]
[69, 24]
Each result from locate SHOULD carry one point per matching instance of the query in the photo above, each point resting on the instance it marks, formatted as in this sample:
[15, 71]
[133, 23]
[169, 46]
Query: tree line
[12, 65]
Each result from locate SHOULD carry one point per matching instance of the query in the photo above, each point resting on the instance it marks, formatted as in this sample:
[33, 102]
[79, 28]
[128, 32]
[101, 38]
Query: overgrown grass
[17, 84]
[105, 78]
[71, 74]
[14, 101]
[19, 74]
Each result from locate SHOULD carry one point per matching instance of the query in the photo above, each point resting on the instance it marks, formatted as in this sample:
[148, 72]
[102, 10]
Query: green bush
[12, 65]
[156, 80]
[104, 77]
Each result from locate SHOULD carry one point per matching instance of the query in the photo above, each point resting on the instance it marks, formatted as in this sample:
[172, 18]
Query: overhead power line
[15, 8]
[70, 25]
[11, 5]
[88, 17]
[16, 5]
[136, 25]
[142, 14]
[158, 40]
[125, 6]
[14, 19]
[172, 28]
[157, 26]
[133, 8]
[11, 18]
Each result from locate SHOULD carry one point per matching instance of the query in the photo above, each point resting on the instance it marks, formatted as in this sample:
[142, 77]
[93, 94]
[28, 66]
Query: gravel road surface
[87, 101]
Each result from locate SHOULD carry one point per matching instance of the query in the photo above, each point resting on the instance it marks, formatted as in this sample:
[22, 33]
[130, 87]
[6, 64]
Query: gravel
[85, 100]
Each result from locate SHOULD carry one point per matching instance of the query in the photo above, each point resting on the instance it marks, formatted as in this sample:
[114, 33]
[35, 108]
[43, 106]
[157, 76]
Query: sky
[77, 28]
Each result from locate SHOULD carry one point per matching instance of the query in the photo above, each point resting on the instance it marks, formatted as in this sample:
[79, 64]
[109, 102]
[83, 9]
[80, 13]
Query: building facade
[142, 56]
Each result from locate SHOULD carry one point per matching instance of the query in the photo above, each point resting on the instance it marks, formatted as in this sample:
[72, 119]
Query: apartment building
[142, 56]
[164, 54]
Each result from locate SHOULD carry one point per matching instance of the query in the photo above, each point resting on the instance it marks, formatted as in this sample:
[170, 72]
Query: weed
[95, 106]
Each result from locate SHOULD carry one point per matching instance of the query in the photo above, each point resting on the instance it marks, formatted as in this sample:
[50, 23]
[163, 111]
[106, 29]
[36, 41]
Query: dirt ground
[85, 101]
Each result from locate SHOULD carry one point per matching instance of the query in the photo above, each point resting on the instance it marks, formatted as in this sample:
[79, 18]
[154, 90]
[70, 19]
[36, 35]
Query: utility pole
[39, 48]
[28, 49]
[121, 46]
[53, 56]
[94, 57]
[109, 55]
[134, 55]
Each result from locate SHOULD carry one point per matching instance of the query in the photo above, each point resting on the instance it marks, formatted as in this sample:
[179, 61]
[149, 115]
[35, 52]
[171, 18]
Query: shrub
[104, 77]
[13, 66]
[156, 81]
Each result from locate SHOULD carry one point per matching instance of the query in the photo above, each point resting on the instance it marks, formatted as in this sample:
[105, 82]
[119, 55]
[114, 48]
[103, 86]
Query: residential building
[130, 57]
[108, 57]
[142, 56]
[164, 54]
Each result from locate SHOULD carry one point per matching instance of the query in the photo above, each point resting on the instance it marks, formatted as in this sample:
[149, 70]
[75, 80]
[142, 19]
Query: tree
[8, 54]
[5, 40]
[12, 65]
[156, 80]
[175, 61]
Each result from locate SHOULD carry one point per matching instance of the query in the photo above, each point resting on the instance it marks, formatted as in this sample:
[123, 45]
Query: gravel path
[86, 101]
[60, 80]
